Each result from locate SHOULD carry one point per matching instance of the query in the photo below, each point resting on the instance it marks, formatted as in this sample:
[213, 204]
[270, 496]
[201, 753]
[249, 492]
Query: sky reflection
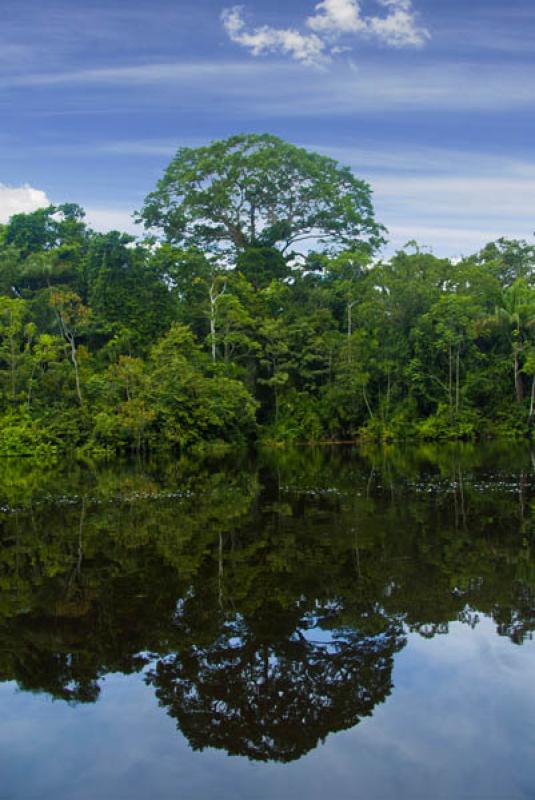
[457, 724]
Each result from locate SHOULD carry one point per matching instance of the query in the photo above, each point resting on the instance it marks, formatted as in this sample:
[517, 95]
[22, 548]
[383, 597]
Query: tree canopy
[257, 191]
[262, 310]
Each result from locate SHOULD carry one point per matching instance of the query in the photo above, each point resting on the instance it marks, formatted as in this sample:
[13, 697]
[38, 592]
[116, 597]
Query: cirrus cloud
[333, 20]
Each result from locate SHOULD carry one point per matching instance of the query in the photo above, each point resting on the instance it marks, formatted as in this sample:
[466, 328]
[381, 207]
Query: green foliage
[190, 398]
[22, 436]
[261, 311]
[298, 421]
[441, 425]
[126, 290]
[253, 191]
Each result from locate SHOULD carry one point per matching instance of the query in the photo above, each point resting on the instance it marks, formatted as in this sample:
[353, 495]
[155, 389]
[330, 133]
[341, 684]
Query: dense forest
[255, 305]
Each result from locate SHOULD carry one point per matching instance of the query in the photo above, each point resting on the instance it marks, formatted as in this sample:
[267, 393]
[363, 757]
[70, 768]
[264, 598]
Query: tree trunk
[76, 370]
[213, 332]
[365, 395]
[532, 404]
[214, 297]
[519, 389]
[30, 385]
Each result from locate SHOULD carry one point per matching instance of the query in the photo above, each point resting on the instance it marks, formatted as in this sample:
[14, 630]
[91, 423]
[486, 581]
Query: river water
[337, 622]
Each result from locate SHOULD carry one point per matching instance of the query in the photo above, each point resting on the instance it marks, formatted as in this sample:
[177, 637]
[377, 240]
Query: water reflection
[264, 600]
[261, 694]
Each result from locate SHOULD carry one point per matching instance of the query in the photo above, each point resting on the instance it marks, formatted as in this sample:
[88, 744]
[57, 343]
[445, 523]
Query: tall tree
[72, 317]
[257, 191]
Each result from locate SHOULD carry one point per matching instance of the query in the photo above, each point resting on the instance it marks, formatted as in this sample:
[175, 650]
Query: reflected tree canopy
[263, 600]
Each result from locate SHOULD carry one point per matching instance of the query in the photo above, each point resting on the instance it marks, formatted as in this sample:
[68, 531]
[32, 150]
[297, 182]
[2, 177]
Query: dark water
[315, 623]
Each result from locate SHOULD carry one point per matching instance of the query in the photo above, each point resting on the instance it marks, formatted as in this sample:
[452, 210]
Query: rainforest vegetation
[255, 304]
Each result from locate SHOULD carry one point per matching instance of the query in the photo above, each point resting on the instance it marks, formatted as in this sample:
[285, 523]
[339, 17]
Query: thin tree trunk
[30, 385]
[213, 333]
[213, 302]
[69, 337]
[214, 297]
[76, 370]
[370, 412]
[519, 390]
[253, 224]
[532, 403]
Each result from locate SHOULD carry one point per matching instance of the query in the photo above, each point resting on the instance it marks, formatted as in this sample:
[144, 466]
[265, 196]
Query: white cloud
[445, 241]
[453, 201]
[501, 200]
[20, 199]
[399, 28]
[337, 17]
[112, 219]
[24, 199]
[307, 48]
[332, 20]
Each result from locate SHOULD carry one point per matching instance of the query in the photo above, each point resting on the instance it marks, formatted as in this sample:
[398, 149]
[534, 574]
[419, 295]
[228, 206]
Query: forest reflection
[263, 599]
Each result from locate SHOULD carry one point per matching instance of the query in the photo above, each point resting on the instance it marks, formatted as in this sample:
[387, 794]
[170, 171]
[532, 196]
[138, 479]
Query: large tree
[257, 191]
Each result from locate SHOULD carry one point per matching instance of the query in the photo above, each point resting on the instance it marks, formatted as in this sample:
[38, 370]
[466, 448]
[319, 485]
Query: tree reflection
[265, 604]
[275, 699]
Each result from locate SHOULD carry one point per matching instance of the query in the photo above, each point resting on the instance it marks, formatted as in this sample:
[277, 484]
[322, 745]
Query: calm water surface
[334, 623]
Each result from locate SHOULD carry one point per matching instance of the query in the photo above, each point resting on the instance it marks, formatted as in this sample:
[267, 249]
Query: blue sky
[431, 101]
